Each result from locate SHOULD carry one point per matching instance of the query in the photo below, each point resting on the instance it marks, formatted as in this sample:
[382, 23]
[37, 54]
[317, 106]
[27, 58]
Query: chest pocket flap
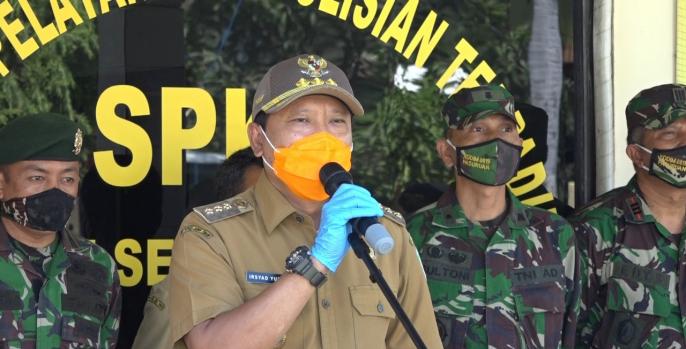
[10, 315]
[540, 309]
[369, 301]
[539, 298]
[371, 316]
[539, 289]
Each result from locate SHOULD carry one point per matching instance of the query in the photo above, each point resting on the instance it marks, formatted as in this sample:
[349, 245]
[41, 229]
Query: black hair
[261, 119]
[230, 176]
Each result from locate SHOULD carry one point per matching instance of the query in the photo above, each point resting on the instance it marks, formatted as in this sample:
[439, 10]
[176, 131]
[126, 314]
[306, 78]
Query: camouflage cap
[42, 136]
[471, 104]
[656, 107]
[301, 76]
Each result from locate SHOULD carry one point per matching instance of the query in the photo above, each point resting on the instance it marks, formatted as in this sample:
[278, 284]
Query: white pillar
[644, 55]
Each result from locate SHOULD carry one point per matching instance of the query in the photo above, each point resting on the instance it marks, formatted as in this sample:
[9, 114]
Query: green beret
[42, 136]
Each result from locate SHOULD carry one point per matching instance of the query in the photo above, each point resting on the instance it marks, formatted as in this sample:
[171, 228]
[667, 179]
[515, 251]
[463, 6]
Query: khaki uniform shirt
[153, 332]
[230, 252]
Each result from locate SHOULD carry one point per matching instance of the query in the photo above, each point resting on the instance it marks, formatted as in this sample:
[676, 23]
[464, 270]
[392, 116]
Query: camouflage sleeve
[413, 227]
[110, 327]
[593, 250]
[418, 226]
[414, 297]
[570, 260]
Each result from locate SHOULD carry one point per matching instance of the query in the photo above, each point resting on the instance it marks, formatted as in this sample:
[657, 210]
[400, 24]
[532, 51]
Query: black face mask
[45, 211]
[668, 165]
[491, 163]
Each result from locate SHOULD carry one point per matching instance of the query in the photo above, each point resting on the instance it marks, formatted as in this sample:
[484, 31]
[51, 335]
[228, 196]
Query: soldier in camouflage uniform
[501, 274]
[630, 239]
[57, 290]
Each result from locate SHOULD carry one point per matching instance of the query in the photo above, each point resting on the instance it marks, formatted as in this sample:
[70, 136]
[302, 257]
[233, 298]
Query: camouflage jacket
[517, 289]
[630, 264]
[79, 301]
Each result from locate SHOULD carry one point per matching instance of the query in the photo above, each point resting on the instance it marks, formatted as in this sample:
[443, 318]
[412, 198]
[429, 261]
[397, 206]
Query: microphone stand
[362, 252]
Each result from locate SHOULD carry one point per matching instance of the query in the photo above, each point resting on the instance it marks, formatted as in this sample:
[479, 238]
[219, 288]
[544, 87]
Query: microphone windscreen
[332, 175]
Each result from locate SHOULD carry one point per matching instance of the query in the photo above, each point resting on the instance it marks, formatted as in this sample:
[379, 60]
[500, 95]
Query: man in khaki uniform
[238, 276]
[238, 173]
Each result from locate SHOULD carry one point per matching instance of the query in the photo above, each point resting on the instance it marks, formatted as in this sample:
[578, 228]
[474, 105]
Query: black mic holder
[362, 252]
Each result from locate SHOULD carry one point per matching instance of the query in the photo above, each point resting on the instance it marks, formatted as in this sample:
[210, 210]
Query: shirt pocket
[451, 330]
[372, 315]
[540, 309]
[11, 325]
[455, 313]
[633, 310]
[11, 332]
[79, 332]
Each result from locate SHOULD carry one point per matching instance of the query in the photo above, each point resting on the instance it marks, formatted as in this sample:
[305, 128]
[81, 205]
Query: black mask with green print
[668, 165]
[491, 163]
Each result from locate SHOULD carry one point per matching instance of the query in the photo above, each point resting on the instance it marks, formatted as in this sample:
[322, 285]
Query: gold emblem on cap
[78, 141]
[314, 82]
[313, 66]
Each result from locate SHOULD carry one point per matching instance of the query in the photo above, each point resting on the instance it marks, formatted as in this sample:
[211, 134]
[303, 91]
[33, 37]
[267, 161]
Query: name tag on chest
[254, 277]
[536, 275]
[647, 276]
[448, 272]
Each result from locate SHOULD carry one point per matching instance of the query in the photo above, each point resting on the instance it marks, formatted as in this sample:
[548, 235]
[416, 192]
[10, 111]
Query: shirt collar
[452, 214]
[273, 206]
[70, 242]
[517, 216]
[636, 209]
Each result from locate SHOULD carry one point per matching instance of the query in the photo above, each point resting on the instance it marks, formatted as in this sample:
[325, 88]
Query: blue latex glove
[348, 202]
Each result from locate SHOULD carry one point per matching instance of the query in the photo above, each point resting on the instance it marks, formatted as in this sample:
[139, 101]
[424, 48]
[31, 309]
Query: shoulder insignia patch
[158, 303]
[634, 204]
[197, 230]
[222, 210]
[393, 215]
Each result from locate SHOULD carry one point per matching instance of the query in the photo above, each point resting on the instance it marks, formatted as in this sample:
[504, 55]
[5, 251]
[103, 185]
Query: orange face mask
[298, 165]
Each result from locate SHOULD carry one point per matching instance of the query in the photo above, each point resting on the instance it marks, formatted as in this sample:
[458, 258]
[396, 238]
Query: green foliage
[395, 140]
[498, 30]
[395, 143]
[265, 32]
[60, 77]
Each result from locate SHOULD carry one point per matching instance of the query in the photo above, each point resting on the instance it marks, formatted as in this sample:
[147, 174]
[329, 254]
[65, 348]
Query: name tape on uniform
[647, 276]
[536, 275]
[254, 277]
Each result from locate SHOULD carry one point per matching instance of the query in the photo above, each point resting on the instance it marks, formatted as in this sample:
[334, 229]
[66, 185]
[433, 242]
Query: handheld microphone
[332, 176]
